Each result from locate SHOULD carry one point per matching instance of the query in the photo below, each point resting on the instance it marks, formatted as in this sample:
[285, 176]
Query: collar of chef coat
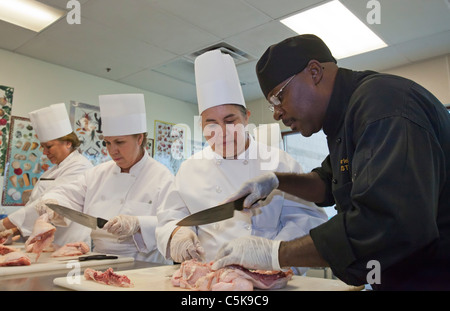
[66, 160]
[136, 168]
[251, 150]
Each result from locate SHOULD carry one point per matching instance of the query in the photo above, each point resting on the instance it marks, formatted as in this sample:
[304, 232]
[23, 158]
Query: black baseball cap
[288, 57]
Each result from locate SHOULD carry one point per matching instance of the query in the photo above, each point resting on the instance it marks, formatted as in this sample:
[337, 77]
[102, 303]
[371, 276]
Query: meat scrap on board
[15, 258]
[108, 277]
[71, 249]
[199, 276]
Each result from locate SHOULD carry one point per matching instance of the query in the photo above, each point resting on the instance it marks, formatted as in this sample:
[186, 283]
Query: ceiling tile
[221, 18]
[162, 84]
[12, 36]
[144, 21]
[282, 8]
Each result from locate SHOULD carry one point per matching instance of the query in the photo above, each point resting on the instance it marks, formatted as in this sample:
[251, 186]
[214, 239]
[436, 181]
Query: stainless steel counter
[43, 281]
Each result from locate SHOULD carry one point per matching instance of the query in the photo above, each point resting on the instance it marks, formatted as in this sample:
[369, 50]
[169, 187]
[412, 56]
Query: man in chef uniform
[60, 144]
[213, 174]
[125, 190]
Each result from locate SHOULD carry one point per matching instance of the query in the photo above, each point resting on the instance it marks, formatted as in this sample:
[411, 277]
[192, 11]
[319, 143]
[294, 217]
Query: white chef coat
[105, 192]
[206, 180]
[73, 165]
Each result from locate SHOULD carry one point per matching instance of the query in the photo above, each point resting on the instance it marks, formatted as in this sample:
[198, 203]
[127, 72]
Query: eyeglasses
[274, 100]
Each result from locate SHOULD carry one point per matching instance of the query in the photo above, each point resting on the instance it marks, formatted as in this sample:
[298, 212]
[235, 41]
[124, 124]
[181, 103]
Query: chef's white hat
[123, 114]
[50, 122]
[217, 81]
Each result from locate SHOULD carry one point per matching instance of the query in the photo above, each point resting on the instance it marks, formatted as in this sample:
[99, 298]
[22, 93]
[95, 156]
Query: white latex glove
[123, 225]
[256, 188]
[56, 219]
[185, 245]
[251, 252]
[6, 236]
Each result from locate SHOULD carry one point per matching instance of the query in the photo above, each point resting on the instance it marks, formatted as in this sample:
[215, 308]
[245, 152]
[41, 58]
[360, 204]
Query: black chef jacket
[388, 172]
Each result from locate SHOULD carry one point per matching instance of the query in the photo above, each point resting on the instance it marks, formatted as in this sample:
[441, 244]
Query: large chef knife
[213, 214]
[79, 217]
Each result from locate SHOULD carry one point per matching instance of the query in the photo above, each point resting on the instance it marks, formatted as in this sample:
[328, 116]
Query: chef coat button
[248, 227]
[334, 181]
[245, 162]
[339, 140]
[218, 189]
[218, 162]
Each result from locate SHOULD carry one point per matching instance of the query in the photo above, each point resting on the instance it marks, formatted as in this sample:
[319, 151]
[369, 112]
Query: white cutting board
[48, 263]
[158, 279]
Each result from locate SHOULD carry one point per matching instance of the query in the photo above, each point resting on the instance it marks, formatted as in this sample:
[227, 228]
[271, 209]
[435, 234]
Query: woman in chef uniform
[215, 173]
[60, 144]
[125, 190]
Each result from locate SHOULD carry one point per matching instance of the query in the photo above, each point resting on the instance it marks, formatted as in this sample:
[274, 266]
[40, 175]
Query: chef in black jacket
[388, 172]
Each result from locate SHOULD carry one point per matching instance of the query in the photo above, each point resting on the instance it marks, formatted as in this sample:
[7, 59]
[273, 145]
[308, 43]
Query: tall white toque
[51, 122]
[217, 81]
[123, 114]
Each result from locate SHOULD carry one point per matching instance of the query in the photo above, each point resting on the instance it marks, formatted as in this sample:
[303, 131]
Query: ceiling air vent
[238, 56]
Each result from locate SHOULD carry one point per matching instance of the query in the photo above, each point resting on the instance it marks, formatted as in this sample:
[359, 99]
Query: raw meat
[15, 259]
[199, 276]
[7, 249]
[41, 237]
[108, 277]
[71, 249]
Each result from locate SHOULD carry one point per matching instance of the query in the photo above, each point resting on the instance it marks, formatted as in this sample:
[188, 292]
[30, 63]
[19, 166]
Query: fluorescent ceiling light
[339, 28]
[29, 14]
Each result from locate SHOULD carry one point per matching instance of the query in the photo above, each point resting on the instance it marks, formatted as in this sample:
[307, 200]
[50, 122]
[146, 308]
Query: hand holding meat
[56, 219]
[7, 236]
[123, 225]
[185, 245]
[256, 189]
[251, 252]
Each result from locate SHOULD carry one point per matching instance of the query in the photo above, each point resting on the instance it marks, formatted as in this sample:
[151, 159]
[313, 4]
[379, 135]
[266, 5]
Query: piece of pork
[199, 276]
[15, 259]
[42, 236]
[108, 277]
[7, 249]
[72, 249]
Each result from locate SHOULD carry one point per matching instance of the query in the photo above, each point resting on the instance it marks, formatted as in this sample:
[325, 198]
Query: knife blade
[213, 214]
[79, 217]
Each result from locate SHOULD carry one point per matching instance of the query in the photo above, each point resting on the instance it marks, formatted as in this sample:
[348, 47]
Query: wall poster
[25, 163]
[6, 98]
[87, 125]
[170, 144]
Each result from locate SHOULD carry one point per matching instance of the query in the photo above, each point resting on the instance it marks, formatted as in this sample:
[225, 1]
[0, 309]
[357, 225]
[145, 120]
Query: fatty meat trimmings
[200, 276]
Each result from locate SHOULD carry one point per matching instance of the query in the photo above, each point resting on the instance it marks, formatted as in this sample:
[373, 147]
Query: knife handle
[101, 222]
[239, 203]
[96, 257]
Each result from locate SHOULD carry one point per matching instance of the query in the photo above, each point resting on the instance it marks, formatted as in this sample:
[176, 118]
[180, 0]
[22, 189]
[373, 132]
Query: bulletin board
[6, 98]
[25, 163]
[87, 125]
[170, 144]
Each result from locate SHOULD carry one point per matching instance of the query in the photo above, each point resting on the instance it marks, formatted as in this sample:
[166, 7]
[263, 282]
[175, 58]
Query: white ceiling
[146, 42]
